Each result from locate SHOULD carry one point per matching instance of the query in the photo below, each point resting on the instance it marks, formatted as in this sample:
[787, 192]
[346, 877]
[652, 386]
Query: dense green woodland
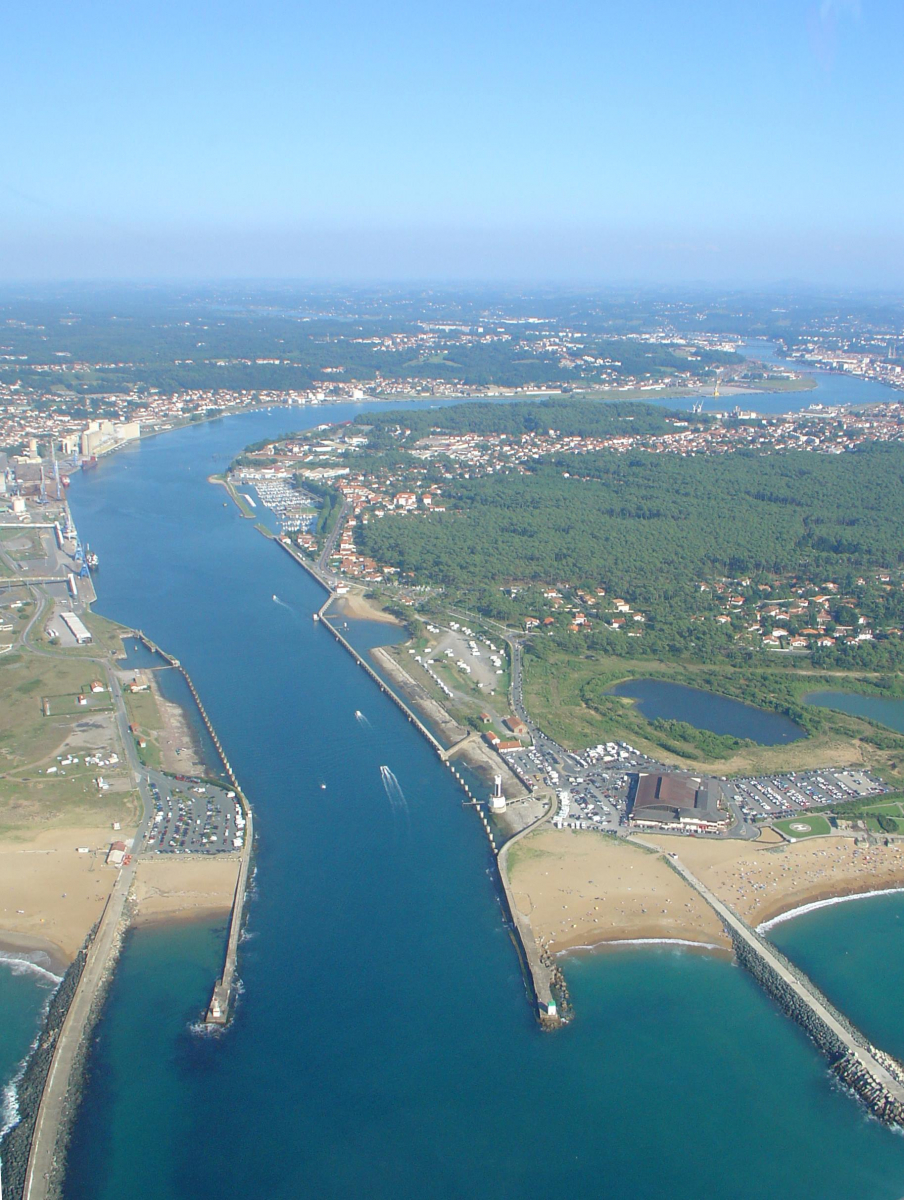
[650, 527]
[568, 417]
[129, 338]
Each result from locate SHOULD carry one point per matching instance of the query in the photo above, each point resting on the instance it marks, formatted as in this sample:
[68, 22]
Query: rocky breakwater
[874, 1076]
[853, 1059]
[15, 1147]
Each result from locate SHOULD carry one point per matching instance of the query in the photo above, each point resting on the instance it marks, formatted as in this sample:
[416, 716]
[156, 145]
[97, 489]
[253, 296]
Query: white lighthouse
[497, 800]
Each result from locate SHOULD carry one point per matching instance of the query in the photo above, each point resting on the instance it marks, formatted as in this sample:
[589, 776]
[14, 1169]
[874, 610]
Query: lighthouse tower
[497, 800]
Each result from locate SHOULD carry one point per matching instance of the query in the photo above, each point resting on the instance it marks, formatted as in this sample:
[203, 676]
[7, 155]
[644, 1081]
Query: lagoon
[658, 699]
[876, 708]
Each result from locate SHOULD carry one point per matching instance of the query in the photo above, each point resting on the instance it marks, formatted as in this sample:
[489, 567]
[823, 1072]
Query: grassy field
[26, 679]
[144, 714]
[41, 784]
[567, 697]
[804, 826]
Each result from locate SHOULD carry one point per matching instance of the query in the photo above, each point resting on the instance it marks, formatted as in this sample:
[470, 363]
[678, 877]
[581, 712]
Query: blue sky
[569, 140]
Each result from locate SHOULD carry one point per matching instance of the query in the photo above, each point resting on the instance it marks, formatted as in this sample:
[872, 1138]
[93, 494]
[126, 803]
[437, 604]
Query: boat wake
[362, 720]
[282, 603]
[393, 790]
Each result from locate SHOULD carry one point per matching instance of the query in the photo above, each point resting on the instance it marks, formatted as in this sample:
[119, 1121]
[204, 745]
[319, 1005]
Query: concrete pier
[44, 1160]
[541, 974]
[876, 1077]
[221, 1001]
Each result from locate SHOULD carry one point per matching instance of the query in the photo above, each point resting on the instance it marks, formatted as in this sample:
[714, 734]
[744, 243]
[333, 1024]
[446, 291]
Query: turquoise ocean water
[23, 993]
[383, 1046]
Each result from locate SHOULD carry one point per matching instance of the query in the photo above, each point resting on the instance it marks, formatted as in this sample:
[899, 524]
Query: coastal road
[131, 753]
[334, 536]
[541, 740]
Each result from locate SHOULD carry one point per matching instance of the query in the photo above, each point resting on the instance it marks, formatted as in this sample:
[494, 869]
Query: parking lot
[592, 788]
[769, 797]
[193, 817]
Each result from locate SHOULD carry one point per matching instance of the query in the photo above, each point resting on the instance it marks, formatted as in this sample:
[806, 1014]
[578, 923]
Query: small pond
[657, 698]
[877, 708]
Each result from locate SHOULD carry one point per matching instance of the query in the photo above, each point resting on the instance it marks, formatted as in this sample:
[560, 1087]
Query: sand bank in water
[356, 607]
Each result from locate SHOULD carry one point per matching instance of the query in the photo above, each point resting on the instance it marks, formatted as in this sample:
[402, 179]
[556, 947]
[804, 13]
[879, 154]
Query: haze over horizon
[741, 143]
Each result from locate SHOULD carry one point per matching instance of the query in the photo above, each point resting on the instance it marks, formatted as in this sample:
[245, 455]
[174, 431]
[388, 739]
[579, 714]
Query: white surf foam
[815, 904]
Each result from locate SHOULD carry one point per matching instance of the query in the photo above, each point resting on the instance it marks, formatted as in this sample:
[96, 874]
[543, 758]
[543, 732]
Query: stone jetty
[876, 1077]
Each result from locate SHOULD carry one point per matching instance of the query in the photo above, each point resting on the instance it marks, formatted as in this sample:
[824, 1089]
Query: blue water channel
[659, 699]
[383, 1045]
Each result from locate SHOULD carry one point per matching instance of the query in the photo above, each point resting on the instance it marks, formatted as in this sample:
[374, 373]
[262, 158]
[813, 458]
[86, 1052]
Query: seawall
[876, 1077]
[220, 1006]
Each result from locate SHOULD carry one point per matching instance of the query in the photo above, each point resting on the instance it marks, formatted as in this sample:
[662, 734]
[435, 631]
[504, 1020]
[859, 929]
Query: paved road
[332, 539]
[540, 739]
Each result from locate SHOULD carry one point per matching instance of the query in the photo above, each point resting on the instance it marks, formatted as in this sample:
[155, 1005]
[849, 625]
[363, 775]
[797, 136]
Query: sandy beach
[584, 889]
[166, 887]
[50, 894]
[760, 882]
[356, 607]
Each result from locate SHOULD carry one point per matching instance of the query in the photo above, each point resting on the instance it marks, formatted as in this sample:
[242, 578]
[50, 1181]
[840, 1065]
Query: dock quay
[220, 1006]
[876, 1077]
[541, 972]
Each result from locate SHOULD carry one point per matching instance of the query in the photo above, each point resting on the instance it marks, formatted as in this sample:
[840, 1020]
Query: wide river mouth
[657, 699]
[384, 1045]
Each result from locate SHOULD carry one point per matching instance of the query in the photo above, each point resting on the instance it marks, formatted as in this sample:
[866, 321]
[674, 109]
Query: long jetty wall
[876, 1077]
[542, 978]
[541, 972]
[223, 992]
[16, 1145]
[48, 1136]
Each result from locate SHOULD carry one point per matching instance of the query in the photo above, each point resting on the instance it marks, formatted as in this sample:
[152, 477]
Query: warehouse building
[677, 801]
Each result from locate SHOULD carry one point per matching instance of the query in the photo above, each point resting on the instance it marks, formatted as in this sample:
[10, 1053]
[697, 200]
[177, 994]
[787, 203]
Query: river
[383, 1045]
[832, 387]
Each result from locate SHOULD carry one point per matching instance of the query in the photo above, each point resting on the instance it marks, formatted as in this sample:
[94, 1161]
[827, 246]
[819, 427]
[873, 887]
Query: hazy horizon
[734, 145]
